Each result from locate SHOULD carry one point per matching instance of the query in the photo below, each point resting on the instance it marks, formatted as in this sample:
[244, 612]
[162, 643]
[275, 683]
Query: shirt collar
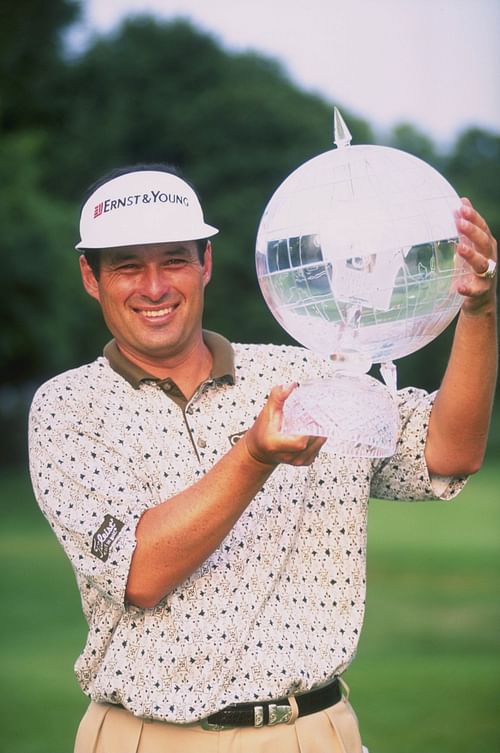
[220, 348]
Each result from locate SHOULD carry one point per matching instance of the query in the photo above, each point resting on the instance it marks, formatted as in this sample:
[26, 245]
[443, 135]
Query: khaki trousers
[111, 729]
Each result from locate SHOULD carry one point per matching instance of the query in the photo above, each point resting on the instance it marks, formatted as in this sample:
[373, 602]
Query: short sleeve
[87, 487]
[405, 476]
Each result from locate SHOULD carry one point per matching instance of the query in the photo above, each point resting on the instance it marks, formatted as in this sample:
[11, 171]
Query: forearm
[174, 538]
[458, 426]
[459, 422]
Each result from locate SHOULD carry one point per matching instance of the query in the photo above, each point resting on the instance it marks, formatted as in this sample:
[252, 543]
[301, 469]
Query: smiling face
[152, 300]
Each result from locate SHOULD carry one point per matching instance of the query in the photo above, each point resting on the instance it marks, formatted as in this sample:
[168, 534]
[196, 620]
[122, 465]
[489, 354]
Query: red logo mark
[98, 209]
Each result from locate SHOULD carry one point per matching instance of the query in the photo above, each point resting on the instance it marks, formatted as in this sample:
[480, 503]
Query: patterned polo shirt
[278, 607]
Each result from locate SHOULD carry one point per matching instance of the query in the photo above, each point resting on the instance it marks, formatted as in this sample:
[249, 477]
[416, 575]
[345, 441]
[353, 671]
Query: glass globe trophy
[355, 257]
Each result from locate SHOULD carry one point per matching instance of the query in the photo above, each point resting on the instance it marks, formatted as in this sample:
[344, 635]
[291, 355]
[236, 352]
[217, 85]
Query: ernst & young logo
[151, 197]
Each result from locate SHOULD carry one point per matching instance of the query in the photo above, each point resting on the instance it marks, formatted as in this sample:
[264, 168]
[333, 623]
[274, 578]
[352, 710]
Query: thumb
[276, 401]
[280, 393]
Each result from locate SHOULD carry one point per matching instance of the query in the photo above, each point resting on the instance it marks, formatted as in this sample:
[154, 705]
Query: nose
[155, 283]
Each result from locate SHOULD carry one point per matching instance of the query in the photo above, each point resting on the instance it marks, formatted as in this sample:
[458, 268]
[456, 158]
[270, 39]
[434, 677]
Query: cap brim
[206, 231]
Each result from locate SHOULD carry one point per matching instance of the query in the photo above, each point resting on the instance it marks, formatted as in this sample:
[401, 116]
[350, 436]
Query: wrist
[485, 310]
[255, 456]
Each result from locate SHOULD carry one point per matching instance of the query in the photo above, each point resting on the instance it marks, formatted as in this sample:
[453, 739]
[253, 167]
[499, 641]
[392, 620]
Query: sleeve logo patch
[105, 536]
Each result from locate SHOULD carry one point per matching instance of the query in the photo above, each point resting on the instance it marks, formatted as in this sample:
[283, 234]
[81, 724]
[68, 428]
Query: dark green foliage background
[237, 126]
[151, 91]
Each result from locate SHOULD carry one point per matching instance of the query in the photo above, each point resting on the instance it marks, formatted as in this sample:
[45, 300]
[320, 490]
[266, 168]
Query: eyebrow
[116, 257]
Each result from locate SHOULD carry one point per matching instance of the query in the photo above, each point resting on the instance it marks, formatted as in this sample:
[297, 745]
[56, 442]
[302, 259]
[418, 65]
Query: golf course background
[427, 675]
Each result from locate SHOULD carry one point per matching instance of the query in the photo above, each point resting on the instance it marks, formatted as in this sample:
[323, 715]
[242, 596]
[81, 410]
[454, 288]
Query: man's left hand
[479, 249]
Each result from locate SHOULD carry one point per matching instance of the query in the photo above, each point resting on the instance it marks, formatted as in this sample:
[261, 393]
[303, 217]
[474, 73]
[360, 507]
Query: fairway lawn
[427, 675]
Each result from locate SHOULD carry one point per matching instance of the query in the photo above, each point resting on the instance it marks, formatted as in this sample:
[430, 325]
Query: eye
[175, 262]
[127, 266]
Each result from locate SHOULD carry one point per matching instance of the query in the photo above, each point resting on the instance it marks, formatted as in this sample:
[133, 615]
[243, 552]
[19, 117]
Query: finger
[313, 449]
[470, 213]
[467, 213]
[307, 455]
[277, 399]
[476, 285]
[475, 246]
[273, 409]
[291, 444]
[315, 444]
[279, 394]
[473, 232]
[478, 263]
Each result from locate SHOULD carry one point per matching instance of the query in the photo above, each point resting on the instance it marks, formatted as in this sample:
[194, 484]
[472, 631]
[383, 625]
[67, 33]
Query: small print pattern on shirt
[278, 607]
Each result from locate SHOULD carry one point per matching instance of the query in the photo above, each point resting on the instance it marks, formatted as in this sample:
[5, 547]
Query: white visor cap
[145, 206]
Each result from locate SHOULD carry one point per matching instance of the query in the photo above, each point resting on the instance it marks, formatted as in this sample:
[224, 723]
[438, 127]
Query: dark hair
[93, 256]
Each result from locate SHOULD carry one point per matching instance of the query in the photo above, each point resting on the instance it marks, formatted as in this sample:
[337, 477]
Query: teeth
[159, 312]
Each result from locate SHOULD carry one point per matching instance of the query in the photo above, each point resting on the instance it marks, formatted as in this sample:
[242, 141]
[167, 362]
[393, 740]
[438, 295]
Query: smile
[153, 314]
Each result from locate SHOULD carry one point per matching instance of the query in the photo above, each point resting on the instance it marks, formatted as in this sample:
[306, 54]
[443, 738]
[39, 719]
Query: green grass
[41, 630]
[427, 675]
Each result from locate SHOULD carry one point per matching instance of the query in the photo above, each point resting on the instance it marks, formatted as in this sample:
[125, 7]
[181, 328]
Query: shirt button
[201, 442]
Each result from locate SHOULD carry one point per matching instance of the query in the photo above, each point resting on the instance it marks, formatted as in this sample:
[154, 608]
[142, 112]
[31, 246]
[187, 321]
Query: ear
[89, 281]
[207, 264]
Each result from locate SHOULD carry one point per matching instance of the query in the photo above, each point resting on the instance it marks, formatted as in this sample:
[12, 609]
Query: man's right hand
[266, 444]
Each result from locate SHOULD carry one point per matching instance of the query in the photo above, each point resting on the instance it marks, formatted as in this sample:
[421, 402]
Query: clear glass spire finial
[341, 134]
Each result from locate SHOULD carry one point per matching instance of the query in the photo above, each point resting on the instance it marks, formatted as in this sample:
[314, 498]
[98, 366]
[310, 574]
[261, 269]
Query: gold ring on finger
[490, 270]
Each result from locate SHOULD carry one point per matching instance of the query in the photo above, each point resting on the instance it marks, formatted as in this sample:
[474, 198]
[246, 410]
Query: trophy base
[357, 413]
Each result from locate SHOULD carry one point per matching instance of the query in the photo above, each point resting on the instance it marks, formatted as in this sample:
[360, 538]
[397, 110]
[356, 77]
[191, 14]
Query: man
[223, 580]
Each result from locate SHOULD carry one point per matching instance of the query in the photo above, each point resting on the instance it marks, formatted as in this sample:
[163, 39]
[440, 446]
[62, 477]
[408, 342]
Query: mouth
[157, 315]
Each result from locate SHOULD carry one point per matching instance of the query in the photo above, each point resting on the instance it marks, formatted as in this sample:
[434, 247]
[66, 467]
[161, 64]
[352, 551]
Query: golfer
[221, 564]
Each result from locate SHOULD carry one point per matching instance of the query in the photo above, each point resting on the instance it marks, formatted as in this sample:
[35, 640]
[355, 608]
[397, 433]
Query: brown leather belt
[273, 712]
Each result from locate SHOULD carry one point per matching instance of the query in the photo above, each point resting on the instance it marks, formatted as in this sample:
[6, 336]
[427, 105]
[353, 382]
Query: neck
[187, 369]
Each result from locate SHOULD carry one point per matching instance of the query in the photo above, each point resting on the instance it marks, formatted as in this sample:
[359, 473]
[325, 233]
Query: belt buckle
[209, 727]
[279, 714]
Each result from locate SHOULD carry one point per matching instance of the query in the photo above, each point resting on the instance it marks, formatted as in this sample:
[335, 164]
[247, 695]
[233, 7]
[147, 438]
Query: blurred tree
[31, 50]
[155, 91]
[406, 137]
[473, 167]
[45, 326]
[48, 324]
